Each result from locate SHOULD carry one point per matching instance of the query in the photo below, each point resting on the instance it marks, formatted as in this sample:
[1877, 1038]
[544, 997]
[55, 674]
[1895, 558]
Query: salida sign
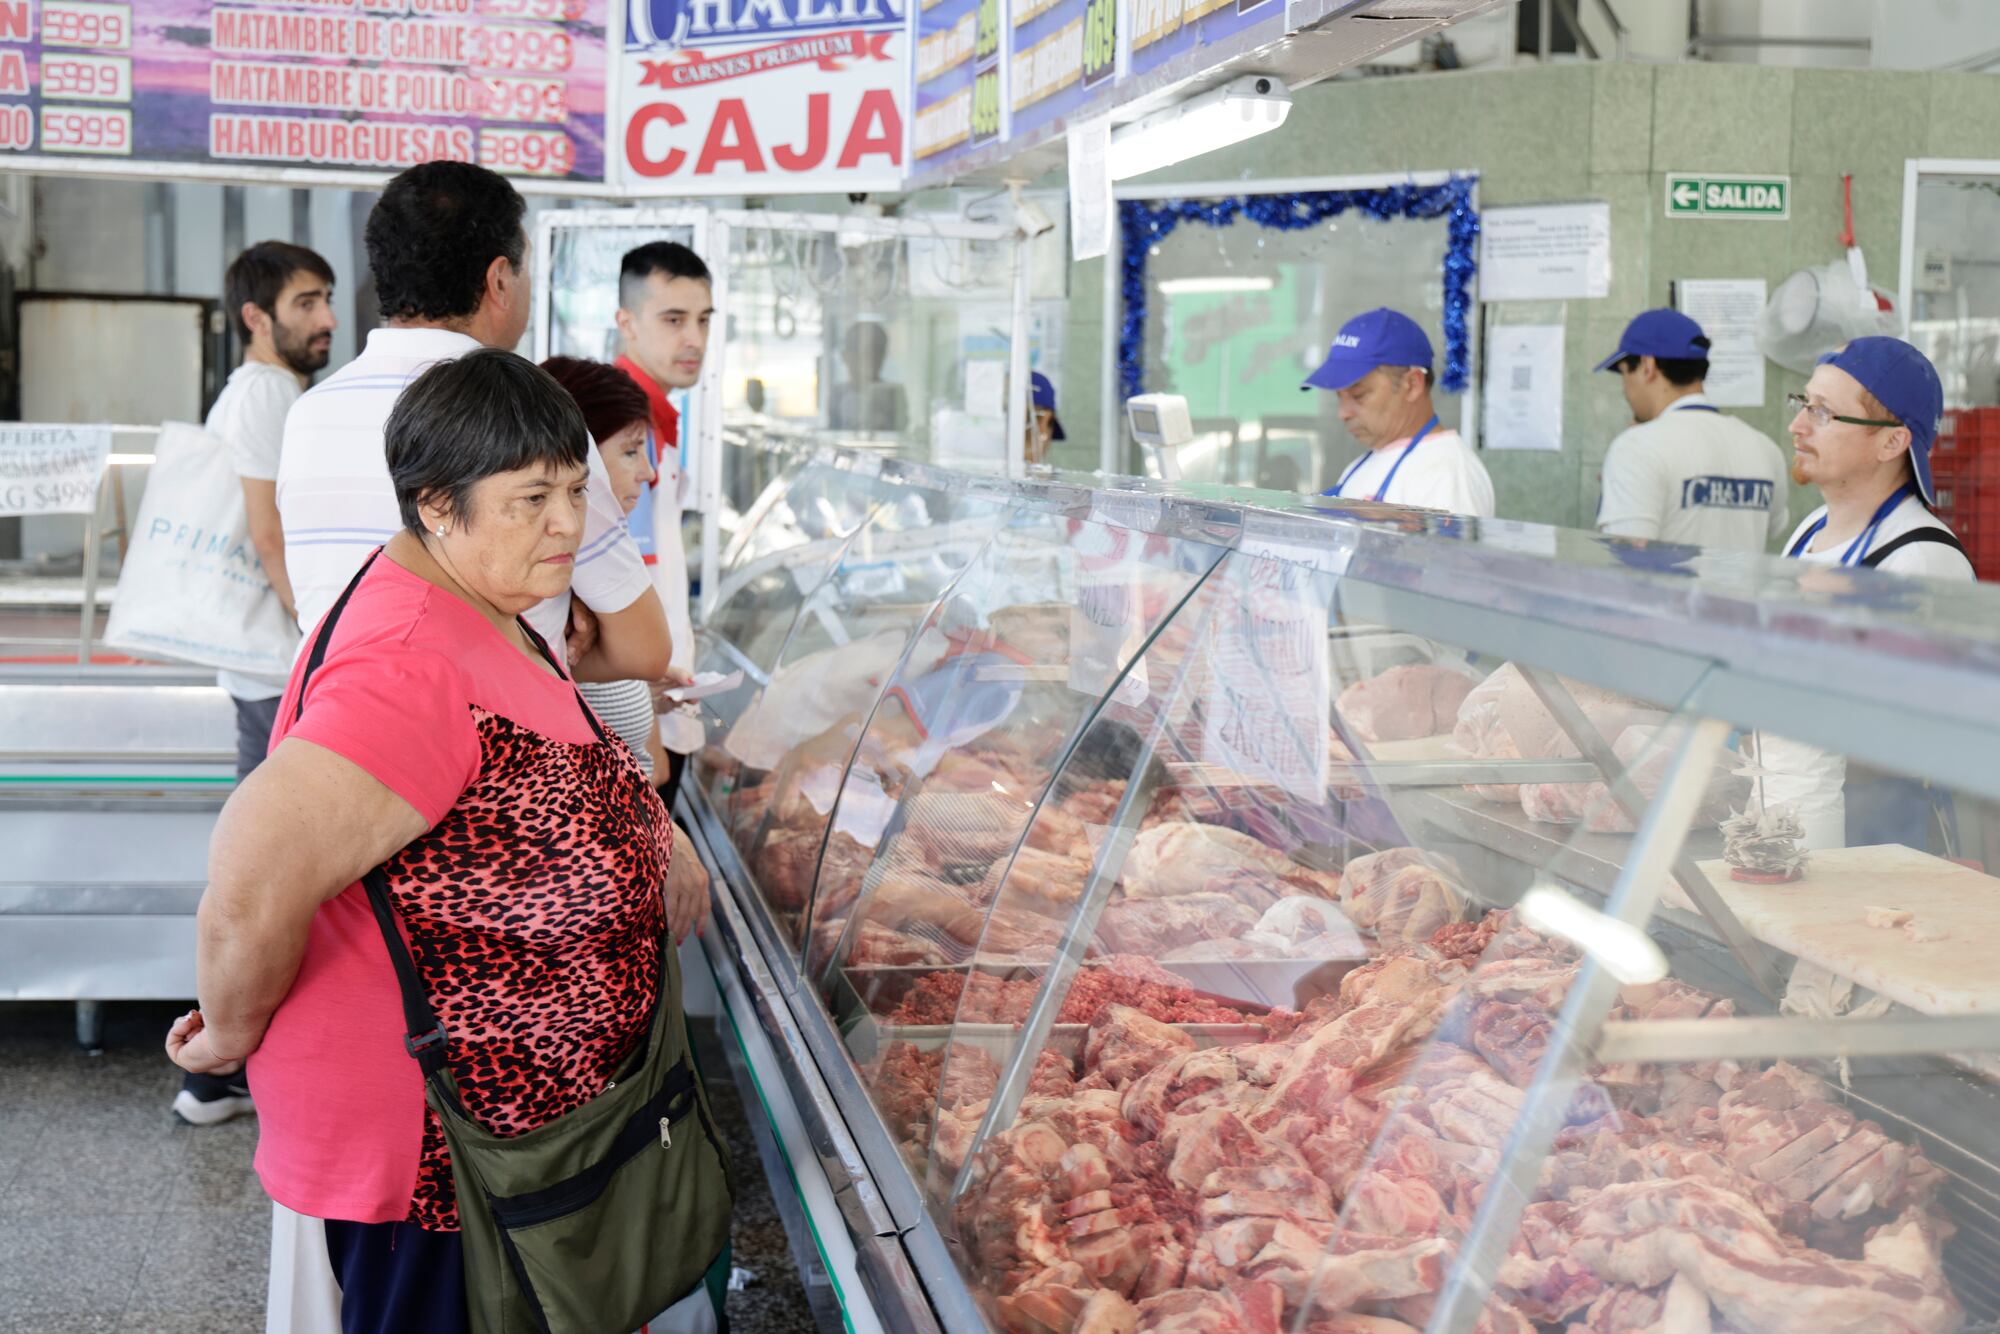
[740, 96]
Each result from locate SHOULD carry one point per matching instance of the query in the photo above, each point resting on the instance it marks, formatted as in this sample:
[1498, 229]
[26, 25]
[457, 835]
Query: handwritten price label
[87, 78]
[527, 152]
[100, 27]
[540, 101]
[535, 50]
[100, 131]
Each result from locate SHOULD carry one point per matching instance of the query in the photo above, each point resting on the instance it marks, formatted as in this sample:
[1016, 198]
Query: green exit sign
[1690, 196]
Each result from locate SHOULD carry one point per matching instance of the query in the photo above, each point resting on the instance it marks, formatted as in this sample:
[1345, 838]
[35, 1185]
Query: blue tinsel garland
[1146, 223]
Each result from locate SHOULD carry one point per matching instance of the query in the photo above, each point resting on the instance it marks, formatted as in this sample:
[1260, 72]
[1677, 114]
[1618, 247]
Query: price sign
[1100, 40]
[17, 128]
[84, 23]
[101, 131]
[542, 101]
[554, 10]
[535, 50]
[986, 105]
[83, 78]
[527, 152]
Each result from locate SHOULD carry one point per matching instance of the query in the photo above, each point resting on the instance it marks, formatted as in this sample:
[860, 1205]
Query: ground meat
[943, 998]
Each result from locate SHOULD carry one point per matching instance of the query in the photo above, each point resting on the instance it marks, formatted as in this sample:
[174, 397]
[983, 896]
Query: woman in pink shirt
[529, 861]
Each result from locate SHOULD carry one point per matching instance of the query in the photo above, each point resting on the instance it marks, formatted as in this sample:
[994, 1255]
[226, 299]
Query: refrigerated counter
[1179, 910]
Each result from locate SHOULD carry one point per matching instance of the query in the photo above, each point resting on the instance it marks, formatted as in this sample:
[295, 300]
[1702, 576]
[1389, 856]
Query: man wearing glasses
[1862, 433]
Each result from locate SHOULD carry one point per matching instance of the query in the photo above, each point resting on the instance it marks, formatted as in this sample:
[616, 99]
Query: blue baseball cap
[1665, 334]
[1382, 337]
[1907, 384]
[1042, 394]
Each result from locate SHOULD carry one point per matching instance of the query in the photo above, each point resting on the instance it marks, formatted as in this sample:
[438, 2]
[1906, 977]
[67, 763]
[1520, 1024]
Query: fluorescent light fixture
[1621, 949]
[1199, 286]
[1238, 110]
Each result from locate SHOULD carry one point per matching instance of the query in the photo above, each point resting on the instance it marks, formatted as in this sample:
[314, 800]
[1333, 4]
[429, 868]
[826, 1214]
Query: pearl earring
[440, 530]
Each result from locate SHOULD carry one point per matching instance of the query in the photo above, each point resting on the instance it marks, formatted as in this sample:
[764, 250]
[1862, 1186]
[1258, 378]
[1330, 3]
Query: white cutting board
[1822, 919]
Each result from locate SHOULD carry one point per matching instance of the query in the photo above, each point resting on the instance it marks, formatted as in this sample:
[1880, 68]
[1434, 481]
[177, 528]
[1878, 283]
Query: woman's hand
[687, 889]
[187, 1047]
[582, 637]
[675, 679]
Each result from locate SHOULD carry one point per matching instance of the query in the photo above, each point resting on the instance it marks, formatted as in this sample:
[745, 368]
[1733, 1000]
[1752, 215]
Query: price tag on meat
[99, 27]
[81, 78]
[106, 132]
[1265, 709]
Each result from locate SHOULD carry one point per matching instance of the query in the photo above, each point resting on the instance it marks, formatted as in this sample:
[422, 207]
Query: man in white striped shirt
[449, 261]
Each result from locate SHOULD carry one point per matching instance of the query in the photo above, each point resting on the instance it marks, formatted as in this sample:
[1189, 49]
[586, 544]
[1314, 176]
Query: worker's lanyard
[1394, 468]
[1694, 407]
[1857, 550]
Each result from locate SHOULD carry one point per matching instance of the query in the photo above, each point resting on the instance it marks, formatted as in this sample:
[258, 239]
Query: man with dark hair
[449, 260]
[280, 298]
[1379, 367]
[665, 304]
[1684, 472]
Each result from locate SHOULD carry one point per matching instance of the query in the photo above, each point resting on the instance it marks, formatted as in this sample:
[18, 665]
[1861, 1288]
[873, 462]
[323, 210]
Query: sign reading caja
[1709, 196]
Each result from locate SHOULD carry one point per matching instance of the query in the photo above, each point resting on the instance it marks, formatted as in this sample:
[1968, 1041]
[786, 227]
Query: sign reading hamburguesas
[51, 469]
[1711, 196]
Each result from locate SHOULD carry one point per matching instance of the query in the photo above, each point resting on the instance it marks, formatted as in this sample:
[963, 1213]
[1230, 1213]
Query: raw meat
[1124, 1043]
[1174, 859]
[1645, 759]
[1405, 702]
[983, 998]
[1401, 894]
[1887, 918]
[1157, 926]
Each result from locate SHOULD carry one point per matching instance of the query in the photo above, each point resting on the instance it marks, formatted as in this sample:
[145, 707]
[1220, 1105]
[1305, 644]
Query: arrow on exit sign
[1705, 196]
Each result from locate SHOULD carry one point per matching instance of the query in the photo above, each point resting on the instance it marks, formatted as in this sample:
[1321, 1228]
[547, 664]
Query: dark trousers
[397, 1278]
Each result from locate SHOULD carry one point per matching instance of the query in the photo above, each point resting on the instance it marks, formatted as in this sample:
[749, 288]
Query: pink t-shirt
[411, 678]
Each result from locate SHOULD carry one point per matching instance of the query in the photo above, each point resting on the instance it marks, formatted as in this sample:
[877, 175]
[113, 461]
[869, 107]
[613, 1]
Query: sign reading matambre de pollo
[750, 96]
[357, 85]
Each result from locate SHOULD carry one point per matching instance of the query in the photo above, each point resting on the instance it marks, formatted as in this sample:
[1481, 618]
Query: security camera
[1031, 219]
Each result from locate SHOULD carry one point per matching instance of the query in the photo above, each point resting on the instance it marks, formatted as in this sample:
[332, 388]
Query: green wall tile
[1621, 118]
[1537, 487]
[1965, 117]
[1734, 118]
[1633, 205]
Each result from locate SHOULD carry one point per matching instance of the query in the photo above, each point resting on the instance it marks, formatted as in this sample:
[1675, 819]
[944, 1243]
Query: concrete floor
[115, 1216]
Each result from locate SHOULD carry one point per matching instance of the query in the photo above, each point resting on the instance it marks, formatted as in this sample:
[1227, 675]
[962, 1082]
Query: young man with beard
[665, 303]
[281, 299]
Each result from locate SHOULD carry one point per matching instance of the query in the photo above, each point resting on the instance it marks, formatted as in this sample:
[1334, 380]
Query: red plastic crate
[1966, 470]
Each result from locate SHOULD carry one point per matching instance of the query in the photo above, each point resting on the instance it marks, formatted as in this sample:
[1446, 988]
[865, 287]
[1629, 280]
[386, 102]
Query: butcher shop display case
[1210, 913]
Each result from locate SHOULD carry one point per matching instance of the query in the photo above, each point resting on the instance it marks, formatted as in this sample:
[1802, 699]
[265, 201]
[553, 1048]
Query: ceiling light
[1198, 286]
[1238, 110]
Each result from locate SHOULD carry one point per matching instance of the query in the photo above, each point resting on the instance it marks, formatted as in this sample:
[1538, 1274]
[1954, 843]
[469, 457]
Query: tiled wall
[1611, 132]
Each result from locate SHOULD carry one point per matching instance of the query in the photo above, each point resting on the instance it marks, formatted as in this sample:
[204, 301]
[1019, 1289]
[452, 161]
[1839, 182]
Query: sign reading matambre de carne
[359, 85]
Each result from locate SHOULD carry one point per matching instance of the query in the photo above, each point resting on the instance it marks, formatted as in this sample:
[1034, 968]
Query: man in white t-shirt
[1380, 366]
[281, 299]
[1686, 472]
[449, 261]
[1862, 433]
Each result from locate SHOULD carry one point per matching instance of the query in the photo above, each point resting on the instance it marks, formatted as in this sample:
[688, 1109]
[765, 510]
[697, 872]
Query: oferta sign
[1710, 196]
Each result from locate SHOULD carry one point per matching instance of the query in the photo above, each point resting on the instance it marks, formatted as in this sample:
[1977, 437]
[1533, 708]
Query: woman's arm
[299, 830]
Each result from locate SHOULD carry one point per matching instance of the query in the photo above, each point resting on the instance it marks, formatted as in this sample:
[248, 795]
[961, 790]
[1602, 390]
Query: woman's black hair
[465, 420]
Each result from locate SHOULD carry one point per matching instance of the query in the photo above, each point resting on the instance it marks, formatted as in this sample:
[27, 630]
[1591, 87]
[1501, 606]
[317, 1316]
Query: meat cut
[1405, 702]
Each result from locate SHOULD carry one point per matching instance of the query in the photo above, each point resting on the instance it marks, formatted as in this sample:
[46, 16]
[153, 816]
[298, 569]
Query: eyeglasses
[1819, 414]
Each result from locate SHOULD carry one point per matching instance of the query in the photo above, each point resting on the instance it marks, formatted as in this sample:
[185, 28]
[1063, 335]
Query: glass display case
[1252, 915]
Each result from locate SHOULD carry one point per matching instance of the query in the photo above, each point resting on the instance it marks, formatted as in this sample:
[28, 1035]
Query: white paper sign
[1545, 252]
[1523, 396]
[1265, 709]
[1090, 210]
[52, 468]
[1728, 310]
[986, 388]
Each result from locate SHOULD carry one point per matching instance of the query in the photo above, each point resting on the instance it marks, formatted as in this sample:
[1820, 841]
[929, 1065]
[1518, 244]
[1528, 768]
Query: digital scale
[1161, 425]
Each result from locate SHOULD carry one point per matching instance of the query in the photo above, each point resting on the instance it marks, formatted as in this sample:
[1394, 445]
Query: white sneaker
[213, 1111]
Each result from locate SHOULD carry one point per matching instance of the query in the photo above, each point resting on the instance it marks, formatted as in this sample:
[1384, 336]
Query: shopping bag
[191, 586]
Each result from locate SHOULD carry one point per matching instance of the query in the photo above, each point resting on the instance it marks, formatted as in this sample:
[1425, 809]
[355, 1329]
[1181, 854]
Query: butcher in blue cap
[1686, 472]
[1862, 433]
[1043, 425]
[1380, 366]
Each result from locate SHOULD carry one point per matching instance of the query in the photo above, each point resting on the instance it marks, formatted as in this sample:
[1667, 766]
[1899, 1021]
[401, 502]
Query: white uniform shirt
[1441, 473]
[1811, 780]
[1696, 476]
[338, 504]
[249, 417]
[1932, 560]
